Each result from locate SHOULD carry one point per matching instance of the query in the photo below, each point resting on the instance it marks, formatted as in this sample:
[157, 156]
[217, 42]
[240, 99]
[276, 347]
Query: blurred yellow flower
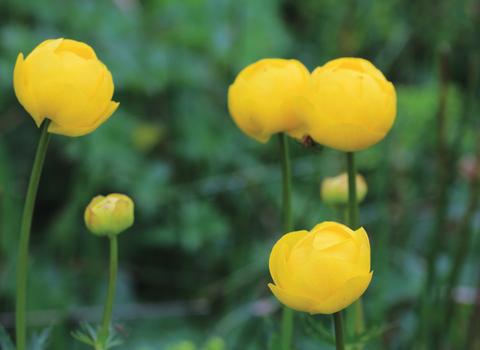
[110, 215]
[63, 80]
[259, 100]
[321, 271]
[347, 105]
[146, 135]
[334, 190]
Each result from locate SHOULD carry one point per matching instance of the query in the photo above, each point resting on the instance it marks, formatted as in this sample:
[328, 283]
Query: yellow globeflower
[63, 80]
[334, 190]
[259, 100]
[110, 215]
[347, 104]
[321, 271]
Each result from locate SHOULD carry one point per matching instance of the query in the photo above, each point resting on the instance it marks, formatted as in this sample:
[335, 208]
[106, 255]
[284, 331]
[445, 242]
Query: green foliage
[5, 341]
[215, 343]
[207, 197]
[184, 345]
[39, 341]
[90, 336]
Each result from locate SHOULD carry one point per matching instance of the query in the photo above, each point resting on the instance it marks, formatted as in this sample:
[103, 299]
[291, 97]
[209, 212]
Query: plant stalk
[112, 279]
[287, 211]
[352, 192]
[355, 320]
[22, 267]
[339, 333]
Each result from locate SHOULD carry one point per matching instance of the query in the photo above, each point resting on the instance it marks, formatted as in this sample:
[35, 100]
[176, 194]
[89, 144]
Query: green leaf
[42, 340]
[317, 331]
[5, 341]
[82, 337]
[366, 337]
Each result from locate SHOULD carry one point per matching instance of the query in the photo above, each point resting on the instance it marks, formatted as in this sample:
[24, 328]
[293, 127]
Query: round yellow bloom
[259, 100]
[347, 105]
[63, 80]
[321, 271]
[110, 215]
[334, 190]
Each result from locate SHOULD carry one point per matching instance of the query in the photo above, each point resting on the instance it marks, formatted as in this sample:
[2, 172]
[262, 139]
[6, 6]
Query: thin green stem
[287, 328]
[112, 279]
[21, 298]
[352, 192]
[287, 317]
[339, 333]
[286, 185]
[357, 325]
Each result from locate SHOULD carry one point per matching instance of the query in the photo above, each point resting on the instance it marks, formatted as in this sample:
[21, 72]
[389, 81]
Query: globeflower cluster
[347, 104]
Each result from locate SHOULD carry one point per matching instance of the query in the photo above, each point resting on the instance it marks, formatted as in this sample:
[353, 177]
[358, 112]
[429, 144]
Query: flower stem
[357, 325]
[21, 297]
[112, 279]
[287, 317]
[339, 333]
[286, 185]
[352, 192]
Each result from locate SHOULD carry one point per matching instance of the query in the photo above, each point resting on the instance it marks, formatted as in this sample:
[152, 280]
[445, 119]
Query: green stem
[352, 192]
[287, 328]
[287, 317]
[356, 325]
[339, 333]
[112, 279]
[286, 185]
[21, 298]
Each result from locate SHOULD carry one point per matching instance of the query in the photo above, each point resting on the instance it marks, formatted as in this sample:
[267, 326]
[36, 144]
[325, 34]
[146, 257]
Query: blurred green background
[195, 263]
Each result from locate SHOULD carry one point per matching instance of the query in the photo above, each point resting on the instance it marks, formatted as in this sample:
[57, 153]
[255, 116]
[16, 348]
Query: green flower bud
[110, 215]
[334, 190]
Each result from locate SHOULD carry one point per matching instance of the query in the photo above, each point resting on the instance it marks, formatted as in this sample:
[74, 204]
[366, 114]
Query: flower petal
[320, 278]
[309, 114]
[347, 294]
[105, 92]
[290, 239]
[363, 263]
[42, 64]
[78, 48]
[55, 128]
[68, 59]
[346, 137]
[296, 302]
[51, 44]
[339, 229]
[243, 115]
[23, 93]
[87, 76]
[346, 251]
[285, 279]
[63, 103]
[386, 122]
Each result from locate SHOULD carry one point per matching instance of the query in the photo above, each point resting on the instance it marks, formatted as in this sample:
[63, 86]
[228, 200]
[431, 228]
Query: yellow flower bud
[321, 271]
[347, 105]
[110, 215]
[259, 100]
[63, 80]
[334, 190]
